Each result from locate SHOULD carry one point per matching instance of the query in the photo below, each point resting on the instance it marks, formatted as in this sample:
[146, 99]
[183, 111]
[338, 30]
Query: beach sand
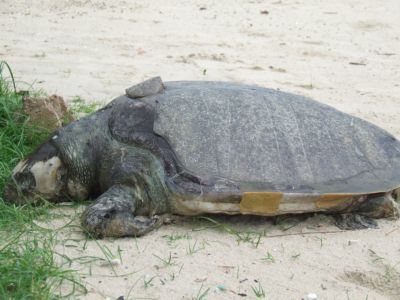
[344, 53]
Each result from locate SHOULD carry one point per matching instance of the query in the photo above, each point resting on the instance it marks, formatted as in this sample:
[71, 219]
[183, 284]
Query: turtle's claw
[122, 224]
[142, 225]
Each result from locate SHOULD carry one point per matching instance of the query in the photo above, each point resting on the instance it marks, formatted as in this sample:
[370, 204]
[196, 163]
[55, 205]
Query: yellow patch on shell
[332, 200]
[260, 202]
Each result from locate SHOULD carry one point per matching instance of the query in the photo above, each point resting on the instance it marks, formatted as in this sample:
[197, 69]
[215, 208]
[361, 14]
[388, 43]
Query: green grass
[268, 258]
[249, 236]
[258, 290]
[167, 261]
[79, 107]
[16, 138]
[174, 237]
[194, 248]
[30, 270]
[201, 294]
[29, 267]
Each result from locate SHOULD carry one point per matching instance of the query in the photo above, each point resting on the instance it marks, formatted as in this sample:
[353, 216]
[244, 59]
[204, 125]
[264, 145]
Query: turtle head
[41, 175]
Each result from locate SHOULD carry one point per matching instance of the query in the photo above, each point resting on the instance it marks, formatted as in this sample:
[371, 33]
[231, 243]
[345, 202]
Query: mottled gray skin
[172, 147]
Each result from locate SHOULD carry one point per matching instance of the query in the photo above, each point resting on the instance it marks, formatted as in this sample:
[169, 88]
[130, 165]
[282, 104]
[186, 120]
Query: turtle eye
[25, 181]
[108, 214]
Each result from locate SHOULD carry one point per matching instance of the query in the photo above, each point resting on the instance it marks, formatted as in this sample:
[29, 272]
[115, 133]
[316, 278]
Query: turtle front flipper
[112, 214]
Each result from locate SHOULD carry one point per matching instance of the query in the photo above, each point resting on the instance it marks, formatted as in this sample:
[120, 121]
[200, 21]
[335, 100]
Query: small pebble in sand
[220, 288]
[352, 242]
[311, 296]
[112, 262]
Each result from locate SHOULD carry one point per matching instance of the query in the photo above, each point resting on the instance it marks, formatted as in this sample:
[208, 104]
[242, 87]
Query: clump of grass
[269, 258]
[194, 248]
[201, 294]
[28, 265]
[167, 261]
[174, 237]
[147, 282]
[16, 219]
[78, 107]
[17, 139]
[389, 275]
[30, 271]
[258, 290]
[5, 65]
[251, 237]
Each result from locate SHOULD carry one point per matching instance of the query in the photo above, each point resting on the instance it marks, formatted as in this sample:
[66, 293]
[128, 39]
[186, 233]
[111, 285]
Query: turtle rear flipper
[379, 206]
[112, 214]
[362, 217]
[354, 221]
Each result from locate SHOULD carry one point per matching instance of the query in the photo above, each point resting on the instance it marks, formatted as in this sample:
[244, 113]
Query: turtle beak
[19, 187]
[41, 176]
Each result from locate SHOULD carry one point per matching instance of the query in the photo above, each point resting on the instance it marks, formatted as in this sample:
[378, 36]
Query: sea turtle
[193, 147]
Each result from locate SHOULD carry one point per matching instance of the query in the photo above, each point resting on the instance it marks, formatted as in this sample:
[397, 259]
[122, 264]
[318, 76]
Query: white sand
[345, 53]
